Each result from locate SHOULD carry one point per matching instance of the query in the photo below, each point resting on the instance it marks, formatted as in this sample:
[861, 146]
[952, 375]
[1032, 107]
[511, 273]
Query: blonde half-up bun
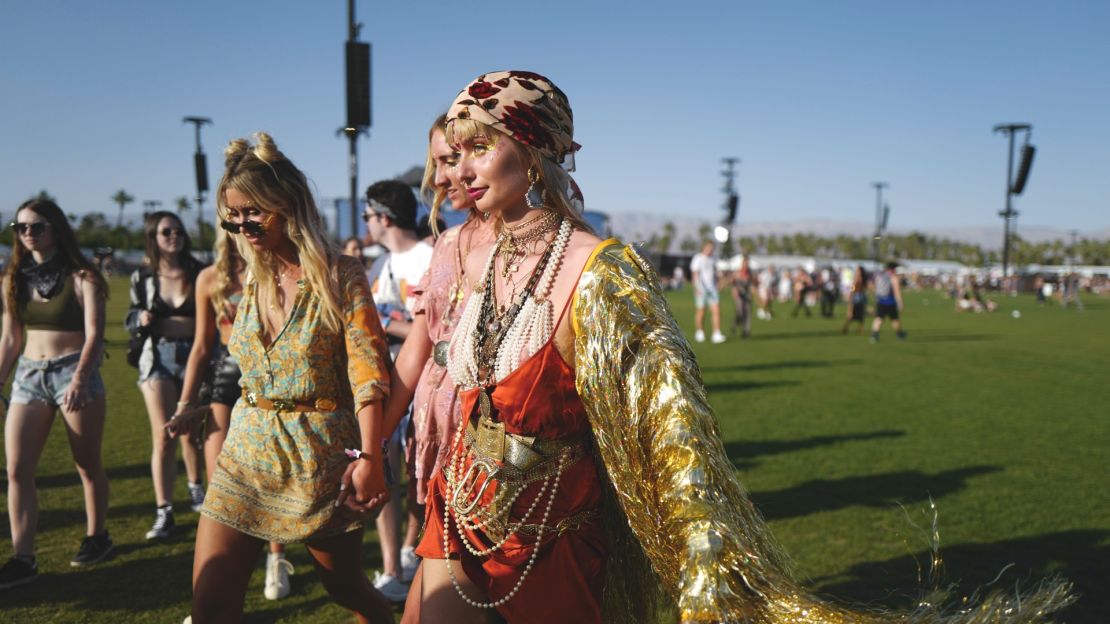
[276, 186]
[265, 149]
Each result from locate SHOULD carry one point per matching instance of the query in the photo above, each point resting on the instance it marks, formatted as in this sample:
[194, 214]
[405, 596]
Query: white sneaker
[409, 561]
[718, 338]
[394, 591]
[699, 336]
[278, 570]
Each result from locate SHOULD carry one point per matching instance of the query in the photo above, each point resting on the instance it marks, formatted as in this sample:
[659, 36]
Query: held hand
[184, 420]
[76, 395]
[363, 488]
[145, 317]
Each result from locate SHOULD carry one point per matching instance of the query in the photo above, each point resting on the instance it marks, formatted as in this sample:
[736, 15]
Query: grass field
[1001, 421]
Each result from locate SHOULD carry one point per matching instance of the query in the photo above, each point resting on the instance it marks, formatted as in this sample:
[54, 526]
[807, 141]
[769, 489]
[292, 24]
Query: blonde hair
[229, 268]
[275, 185]
[553, 178]
[432, 195]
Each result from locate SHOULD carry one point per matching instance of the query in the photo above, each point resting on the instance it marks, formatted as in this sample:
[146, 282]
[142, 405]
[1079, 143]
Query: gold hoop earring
[534, 196]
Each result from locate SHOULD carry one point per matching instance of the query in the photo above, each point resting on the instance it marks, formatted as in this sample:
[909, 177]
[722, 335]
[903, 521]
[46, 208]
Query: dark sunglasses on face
[36, 228]
[169, 232]
[254, 228]
[366, 216]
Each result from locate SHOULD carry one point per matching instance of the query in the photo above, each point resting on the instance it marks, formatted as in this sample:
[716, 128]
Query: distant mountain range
[632, 226]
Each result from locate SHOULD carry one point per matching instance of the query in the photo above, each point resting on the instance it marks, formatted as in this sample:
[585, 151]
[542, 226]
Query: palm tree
[122, 198]
[183, 205]
[44, 196]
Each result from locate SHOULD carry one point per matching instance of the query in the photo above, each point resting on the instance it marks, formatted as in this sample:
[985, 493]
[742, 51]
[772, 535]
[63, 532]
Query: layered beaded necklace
[485, 348]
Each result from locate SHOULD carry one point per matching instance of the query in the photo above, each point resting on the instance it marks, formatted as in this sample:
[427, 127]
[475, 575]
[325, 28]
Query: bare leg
[222, 564]
[25, 431]
[715, 310]
[338, 561]
[158, 395]
[86, 433]
[432, 598]
[699, 317]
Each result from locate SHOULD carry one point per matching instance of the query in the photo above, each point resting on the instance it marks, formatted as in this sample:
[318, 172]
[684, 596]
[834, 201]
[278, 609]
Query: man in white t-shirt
[391, 220]
[703, 275]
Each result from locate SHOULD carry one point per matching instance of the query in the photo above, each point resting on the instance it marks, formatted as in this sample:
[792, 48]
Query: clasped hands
[363, 487]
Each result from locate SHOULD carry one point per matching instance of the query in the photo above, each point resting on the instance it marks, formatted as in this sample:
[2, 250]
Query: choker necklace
[511, 243]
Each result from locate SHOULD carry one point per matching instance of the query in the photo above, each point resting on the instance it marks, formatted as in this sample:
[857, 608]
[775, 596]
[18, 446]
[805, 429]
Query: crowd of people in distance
[754, 293]
[493, 399]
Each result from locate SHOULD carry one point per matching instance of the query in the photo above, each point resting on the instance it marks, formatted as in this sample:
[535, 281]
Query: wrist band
[358, 454]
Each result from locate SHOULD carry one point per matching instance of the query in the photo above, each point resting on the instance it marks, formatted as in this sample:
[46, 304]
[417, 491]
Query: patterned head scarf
[525, 106]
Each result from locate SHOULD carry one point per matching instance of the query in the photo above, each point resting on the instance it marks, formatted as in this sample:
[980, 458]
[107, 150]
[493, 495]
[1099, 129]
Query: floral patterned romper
[277, 477]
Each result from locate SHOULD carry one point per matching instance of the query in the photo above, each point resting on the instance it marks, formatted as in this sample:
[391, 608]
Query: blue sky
[818, 99]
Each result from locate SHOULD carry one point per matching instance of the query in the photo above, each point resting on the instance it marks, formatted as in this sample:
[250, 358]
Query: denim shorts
[706, 296]
[46, 381]
[164, 358]
[222, 384]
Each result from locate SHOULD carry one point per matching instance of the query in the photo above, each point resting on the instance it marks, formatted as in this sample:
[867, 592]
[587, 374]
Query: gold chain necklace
[514, 238]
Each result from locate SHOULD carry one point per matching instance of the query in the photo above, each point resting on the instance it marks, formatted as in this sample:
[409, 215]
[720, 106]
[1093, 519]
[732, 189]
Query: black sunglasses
[254, 228]
[36, 228]
[366, 216]
[168, 232]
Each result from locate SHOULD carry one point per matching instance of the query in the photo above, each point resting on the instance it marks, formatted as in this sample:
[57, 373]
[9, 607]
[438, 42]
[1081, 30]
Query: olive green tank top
[62, 312]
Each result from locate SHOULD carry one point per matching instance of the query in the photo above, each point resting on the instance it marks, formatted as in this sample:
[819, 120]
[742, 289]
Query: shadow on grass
[908, 486]
[138, 585]
[741, 386]
[831, 332]
[1081, 556]
[743, 451]
[287, 612]
[953, 337]
[115, 473]
[52, 519]
[766, 366]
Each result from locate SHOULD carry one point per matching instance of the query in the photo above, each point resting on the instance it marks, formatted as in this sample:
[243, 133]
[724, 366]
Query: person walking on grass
[302, 458]
[211, 382]
[55, 295]
[888, 302]
[163, 312]
[703, 274]
[391, 220]
[857, 301]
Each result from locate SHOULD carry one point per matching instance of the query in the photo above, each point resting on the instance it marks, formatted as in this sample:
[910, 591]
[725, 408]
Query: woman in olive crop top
[56, 295]
[163, 311]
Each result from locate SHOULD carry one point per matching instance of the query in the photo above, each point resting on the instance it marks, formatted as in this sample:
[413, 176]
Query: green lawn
[994, 418]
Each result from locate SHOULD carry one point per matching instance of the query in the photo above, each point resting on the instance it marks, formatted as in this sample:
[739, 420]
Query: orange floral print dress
[277, 476]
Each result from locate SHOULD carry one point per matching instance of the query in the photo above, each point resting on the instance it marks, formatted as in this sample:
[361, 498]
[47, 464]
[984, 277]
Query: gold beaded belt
[286, 405]
[519, 455]
[570, 523]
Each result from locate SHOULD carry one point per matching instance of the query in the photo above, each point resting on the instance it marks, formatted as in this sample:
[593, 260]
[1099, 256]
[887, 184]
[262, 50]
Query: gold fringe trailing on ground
[685, 537]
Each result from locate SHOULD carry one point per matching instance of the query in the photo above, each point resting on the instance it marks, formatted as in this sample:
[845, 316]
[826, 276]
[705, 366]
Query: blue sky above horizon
[818, 99]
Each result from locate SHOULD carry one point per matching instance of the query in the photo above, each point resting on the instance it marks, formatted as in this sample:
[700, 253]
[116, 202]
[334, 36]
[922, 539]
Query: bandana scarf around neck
[44, 277]
[525, 106]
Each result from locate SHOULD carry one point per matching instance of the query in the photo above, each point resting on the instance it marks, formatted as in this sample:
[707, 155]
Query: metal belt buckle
[439, 353]
[489, 439]
[283, 405]
[252, 399]
[325, 405]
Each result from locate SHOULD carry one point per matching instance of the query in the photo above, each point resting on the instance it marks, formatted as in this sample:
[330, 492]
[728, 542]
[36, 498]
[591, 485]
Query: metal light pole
[1009, 213]
[880, 222]
[200, 163]
[358, 104]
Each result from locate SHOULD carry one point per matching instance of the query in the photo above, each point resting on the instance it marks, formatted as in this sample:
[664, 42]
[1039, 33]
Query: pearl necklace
[531, 329]
[455, 464]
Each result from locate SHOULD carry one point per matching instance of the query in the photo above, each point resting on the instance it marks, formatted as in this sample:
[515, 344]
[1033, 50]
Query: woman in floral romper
[314, 374]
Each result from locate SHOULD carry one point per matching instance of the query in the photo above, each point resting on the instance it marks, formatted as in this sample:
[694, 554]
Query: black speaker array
[358, 84]
[1027, 153]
